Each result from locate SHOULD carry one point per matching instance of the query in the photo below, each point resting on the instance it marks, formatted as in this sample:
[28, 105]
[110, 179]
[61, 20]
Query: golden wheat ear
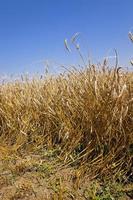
[131, 61]
[130, 34]
[66, 45]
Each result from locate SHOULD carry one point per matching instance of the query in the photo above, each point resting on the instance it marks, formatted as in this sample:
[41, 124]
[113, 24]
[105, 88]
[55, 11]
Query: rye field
[68, 136]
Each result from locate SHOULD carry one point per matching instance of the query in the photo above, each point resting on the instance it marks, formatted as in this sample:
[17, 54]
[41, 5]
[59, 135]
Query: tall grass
[87, 115]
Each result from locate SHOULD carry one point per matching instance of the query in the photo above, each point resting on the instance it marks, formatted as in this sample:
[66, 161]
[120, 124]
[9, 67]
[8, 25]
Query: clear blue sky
[34, 30]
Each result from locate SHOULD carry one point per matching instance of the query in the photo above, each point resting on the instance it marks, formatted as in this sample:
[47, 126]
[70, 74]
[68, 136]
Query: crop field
[69, 136]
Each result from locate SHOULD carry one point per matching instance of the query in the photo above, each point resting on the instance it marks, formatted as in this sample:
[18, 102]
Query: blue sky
[32, 31]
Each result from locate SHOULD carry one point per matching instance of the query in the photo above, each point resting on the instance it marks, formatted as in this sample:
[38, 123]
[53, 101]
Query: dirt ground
[41, 177]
